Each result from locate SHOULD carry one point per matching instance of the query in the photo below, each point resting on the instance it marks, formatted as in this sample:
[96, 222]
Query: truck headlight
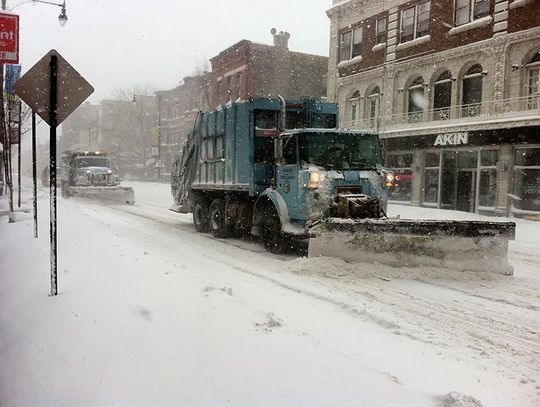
[390, 177]
[109, 172]
[88, 172]
[314, 180]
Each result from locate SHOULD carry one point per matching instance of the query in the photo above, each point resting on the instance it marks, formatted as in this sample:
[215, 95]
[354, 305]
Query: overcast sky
[120, 44]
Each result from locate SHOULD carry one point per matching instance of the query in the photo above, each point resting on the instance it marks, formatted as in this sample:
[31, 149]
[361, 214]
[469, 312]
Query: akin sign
[452, 139]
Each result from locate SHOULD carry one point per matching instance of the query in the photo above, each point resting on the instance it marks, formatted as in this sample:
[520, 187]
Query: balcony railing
[487, 110]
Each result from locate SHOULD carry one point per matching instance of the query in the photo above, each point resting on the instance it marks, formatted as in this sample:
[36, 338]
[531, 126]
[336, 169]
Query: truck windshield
[340, 151]
[83, 162]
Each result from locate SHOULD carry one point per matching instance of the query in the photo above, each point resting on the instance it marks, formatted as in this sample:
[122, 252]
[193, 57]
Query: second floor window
[532, 84]
[442, 96]
[355, 103]
[416, 101]
[470, 10]
[351, 44]
[415, 21]
[472, 91]
[381, 30]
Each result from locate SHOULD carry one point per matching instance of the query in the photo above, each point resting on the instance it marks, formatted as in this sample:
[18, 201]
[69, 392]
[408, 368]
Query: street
[150, 312]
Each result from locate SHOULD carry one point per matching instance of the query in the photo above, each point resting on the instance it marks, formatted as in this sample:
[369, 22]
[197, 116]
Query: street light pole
[159, 139]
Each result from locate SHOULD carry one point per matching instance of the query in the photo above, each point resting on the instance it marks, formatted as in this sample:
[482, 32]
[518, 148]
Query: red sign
[9, 38]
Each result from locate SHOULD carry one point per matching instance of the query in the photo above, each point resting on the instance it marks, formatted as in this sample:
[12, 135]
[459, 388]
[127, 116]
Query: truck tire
[218, 220]
[200, 216]
[274, 240]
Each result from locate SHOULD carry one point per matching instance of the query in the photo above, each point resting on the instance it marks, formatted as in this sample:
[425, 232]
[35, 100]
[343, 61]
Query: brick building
[248, 69]
[452, 88]
[179, 108]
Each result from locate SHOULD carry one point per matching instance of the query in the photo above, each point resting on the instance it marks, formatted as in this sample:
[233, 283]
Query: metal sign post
[53, 89]
[19, 159]
[34, 171]
[52, 187]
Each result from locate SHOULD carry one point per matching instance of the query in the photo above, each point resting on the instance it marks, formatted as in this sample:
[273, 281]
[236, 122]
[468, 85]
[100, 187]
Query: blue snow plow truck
[283, 170]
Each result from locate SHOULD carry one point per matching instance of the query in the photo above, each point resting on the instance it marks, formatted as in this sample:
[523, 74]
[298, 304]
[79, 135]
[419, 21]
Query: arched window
[373, 106]
[442, 96]
[416, 100]
[472, 91]
[354, 102]
[532, 77]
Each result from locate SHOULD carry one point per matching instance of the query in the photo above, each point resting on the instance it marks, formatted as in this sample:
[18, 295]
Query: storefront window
[489, 158]
[527, 179]
[401, 165]
[431, 179]
[487, 193]
[488, 189]
[448, 190]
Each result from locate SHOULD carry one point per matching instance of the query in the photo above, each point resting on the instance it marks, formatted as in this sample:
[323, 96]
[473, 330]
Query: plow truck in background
[283, 170]
[89, 174]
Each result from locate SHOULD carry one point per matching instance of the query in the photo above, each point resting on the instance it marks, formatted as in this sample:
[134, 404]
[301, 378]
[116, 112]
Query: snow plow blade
[457, 245]
[112, 194]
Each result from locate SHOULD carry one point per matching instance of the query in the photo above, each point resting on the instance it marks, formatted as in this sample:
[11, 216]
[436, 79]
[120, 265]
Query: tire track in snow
[423, 313]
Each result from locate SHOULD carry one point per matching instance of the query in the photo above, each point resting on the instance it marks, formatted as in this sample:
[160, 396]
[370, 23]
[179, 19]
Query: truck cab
[314, 167]
[273, 168]
[89, 169]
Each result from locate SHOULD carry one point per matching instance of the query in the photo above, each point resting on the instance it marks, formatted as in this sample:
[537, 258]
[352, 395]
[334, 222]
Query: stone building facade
[452, 88]
[248, 70]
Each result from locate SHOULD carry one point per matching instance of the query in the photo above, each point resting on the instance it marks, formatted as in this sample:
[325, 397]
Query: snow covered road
[153, 313]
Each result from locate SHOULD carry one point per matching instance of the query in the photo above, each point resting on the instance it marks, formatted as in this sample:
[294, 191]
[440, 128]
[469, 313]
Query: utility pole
[159, 140]
[3, 133]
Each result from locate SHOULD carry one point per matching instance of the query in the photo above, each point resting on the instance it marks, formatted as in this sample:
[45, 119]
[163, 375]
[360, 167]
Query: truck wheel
[200, 216]
[218, 220]
[273, 238]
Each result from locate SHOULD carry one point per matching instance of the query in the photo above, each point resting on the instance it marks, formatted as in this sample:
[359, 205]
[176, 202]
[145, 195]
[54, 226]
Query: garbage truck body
[283, 170]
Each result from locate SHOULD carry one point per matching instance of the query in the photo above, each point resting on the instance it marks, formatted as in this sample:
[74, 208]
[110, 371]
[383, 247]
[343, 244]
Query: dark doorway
[466, 191]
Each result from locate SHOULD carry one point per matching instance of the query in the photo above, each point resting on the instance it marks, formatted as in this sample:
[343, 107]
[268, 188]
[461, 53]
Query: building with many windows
[452, 88]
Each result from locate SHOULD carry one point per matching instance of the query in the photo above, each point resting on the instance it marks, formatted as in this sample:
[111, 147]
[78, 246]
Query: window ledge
[412, 43]
[481, 22]
[379, 46]
[357, 59]
[520, 3]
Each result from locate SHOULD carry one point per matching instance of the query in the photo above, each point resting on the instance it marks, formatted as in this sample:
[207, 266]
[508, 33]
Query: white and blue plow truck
[89, 174]
[283, 170]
